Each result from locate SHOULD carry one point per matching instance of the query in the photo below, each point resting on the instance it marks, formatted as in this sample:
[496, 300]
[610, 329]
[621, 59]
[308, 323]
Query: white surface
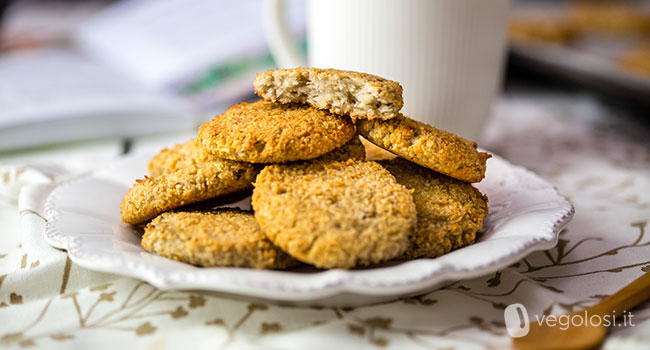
[447, 54]
[526, 214]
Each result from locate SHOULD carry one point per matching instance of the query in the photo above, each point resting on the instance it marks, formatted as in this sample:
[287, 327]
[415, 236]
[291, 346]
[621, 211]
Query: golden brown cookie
[352, 149]
[178, 157]
[224, 237]
[423, 144]
[185, 154]
[342, 92]
[267, 132]
[450, 212]
[194, 183]
[611, 18]
[334, 214]
[637, 60]
[528, 29]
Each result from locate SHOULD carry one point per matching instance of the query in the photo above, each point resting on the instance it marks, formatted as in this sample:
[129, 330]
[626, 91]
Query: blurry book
[49, 96]
[136, 67]
[206, 50]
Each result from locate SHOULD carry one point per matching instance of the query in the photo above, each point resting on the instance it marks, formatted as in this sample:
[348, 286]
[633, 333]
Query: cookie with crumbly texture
[190, 153]
[223, 237]
[178, 157]
[334, 214]
[352, 149]
[194, 183]
[423, 144]
[342, 92]
[450, 212]
[268, 132]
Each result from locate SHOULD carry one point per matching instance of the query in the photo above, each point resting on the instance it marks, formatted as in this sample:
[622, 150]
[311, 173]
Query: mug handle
[282, 44]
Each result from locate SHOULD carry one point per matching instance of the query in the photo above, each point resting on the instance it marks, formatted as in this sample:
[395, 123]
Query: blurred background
[73, 70]
[597, 46]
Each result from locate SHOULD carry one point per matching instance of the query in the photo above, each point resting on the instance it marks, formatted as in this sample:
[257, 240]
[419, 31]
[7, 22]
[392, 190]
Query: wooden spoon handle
[625, 299]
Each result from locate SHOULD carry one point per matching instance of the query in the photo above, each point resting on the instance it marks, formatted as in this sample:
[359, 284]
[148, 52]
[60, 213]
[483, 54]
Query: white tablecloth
[594, 154]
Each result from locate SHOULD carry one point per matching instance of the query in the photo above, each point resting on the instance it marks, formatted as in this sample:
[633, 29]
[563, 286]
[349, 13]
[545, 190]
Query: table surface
[596, 154]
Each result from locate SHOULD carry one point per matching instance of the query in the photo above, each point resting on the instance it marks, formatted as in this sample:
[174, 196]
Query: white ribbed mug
[447, 54]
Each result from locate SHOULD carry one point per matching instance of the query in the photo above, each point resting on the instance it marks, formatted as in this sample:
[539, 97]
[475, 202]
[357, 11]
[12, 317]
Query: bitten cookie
[267, 132]
[450, 212]
[423, 144]
[224, 237]
[197, 182]
[342, 92]
[334, 214]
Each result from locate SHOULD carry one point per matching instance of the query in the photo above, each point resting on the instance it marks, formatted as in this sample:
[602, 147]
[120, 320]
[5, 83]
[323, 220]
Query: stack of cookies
[315, 198]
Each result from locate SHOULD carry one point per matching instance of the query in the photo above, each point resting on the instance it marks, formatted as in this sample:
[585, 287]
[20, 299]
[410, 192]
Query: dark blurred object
[599, 45]
[580, 70]
[3, 8]
[4, 4]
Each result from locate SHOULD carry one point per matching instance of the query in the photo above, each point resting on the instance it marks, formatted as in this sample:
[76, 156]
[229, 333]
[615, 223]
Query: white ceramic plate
[526, 214]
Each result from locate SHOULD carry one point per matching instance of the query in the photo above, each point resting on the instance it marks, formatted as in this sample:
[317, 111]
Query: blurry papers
[49, 96]
[136, 67]
[206, 49]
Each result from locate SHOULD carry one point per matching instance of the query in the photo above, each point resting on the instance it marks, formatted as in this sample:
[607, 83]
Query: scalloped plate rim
[341, 282]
